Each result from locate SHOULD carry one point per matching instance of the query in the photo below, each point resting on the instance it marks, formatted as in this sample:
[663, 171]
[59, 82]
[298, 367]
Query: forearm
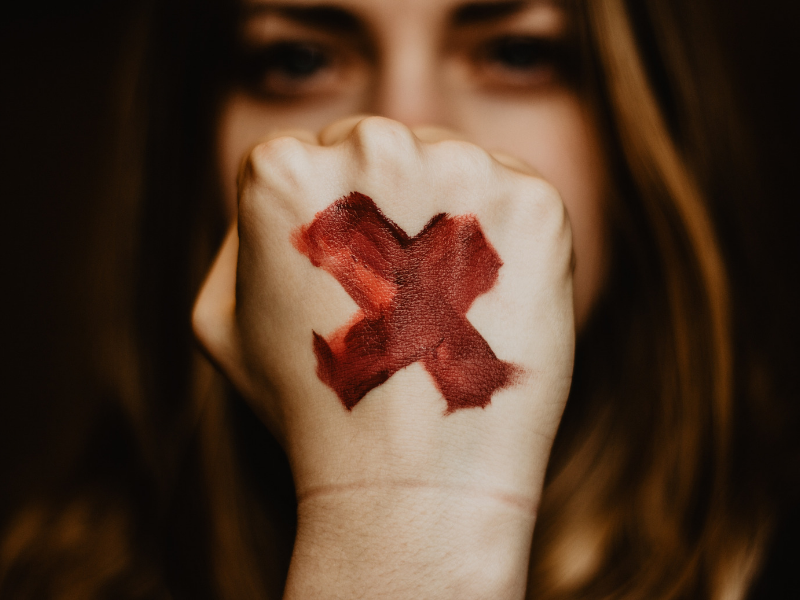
[411, 541]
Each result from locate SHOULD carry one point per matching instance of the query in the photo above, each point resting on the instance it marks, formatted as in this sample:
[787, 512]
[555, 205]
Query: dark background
[58, 81]
[57, 73]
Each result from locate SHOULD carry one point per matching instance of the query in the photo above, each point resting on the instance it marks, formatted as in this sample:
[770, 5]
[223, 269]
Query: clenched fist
[397, 306]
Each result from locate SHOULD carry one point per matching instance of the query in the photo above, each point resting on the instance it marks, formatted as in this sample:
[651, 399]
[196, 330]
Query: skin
[526, 112]
[397, 498]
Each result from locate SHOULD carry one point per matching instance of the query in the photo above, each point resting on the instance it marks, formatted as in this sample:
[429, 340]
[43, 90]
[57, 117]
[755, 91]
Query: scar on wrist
[413, 294]
[398, 487]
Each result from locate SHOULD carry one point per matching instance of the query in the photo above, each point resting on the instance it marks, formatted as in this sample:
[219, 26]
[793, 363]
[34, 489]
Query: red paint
[413, 295]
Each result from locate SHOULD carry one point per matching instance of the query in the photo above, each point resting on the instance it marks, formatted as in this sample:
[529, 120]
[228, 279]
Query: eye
[524, 53]
[289, 69]
[295, 59]
[519, 53]
[523, 61]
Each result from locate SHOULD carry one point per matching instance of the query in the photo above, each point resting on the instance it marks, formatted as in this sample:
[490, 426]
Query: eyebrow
[321, 16]
[334, 19]
[483, 12]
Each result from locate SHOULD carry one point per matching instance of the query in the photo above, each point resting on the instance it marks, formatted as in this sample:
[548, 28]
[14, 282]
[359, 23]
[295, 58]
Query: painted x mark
[413, 294]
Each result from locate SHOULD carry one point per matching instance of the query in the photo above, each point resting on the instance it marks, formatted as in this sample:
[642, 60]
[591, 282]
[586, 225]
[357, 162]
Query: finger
[338, 131]
[213, 316]
[304, 135]
[432, 134]
[514, 163]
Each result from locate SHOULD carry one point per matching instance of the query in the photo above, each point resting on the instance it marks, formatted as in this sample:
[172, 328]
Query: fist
[396, 305]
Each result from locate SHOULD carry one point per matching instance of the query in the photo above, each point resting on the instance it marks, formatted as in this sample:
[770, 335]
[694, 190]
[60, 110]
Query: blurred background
[61, 76]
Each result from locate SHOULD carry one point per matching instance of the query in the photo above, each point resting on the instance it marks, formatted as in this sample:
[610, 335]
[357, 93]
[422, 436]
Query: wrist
[411, 539]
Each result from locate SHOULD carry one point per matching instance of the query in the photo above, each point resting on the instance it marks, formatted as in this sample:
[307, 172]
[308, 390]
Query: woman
[639, 500]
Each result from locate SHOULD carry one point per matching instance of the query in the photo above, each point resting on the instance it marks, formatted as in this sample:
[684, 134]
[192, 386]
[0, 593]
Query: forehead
[382, 16]
[469, 8]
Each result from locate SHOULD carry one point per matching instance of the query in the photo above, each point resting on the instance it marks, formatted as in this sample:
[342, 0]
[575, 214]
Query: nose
[409, 86]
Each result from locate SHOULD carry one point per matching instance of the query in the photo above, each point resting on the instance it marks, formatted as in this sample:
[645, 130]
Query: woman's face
[498, 72]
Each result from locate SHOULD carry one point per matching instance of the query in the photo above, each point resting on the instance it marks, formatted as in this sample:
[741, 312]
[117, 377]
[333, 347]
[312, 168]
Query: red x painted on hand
[413, 293]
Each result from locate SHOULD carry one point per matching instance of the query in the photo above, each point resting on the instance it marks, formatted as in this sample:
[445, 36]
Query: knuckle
[462, 163]
[542, 208]
[557, 230]
[544, 191]
[276, 167]
[468, 155]
[373, 126]
[513, 163]
[283, 149]
[379, 136]
[277, 160]
[433, 133]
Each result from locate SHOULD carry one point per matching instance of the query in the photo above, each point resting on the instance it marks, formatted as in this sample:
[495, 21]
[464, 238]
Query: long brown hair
[637, 503]
[195, 497]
